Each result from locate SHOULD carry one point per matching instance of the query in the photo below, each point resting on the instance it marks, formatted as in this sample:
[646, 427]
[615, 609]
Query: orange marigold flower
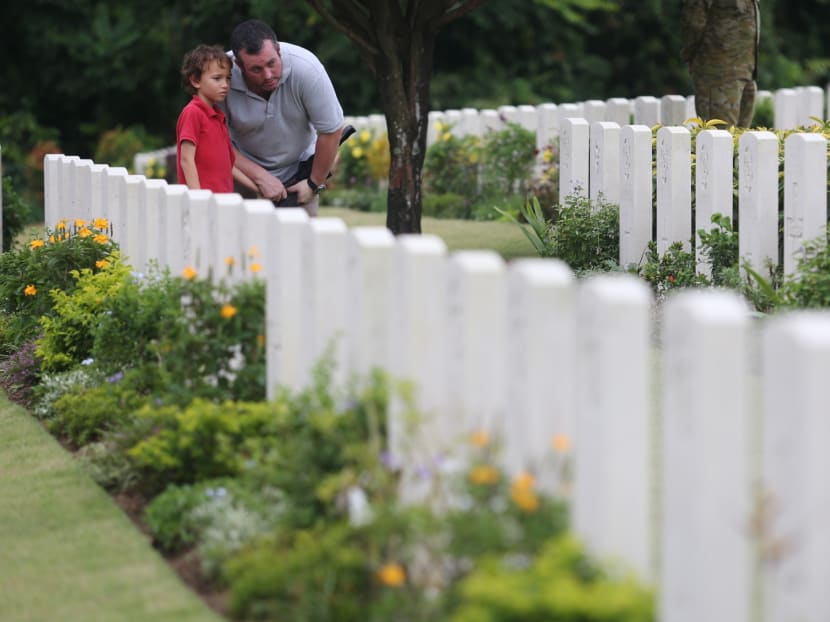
[228, 311]
[80, 222]
[561, 443]
[256, 267]
[484, 474]
[36, 244]
[51, 239]
[392, 575]
[189, 273]
[524, 481]
[84, 232]
[480, 439]
[253, 252]
[61, 225]
[230, 261]
[30, 290]
[526, 500]
[101, 238]
[101, 223]
[101, 264]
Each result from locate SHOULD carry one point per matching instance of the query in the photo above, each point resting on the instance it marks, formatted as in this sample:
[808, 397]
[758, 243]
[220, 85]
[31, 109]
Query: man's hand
[304, 192]
[271, 188]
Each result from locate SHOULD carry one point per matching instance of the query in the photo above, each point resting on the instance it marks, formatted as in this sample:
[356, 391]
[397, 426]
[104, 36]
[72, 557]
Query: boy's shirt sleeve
[189, 126]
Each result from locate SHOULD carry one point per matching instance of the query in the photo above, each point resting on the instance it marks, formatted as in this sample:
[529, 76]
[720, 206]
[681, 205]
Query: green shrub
[118, 147]
[53, 386]
[69, 331]
[451, 164]
[20, 373]
[15, 214]
[585, 236]
[719, 246]
[675, 268]
[446, 205]
[561, 583]
[29, 274]
[809, 287]
[362, 199]
[507, 160]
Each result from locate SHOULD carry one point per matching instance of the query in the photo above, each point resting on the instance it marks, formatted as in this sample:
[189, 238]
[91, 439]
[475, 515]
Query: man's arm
[325, 152]
[269, 186]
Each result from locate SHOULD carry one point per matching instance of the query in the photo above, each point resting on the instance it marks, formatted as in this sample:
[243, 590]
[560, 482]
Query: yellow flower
[561, 443]
[439, 127]
[30, 290]
[484, 474]
[260, 341]
[189, 273]
[392, 575]
[230, 261]
[365, 136]
[51, 239]
[61, 225]
[253, 252]
[526, 500]
[446, 136]
[357, 153]
[84, 232]
[101, 264]
[256, 267]
[547, 156]
[36, 244]
[80, 222]
[522, 493]
[228, 311]
[480, 438]
[101, 223]
[101, 238]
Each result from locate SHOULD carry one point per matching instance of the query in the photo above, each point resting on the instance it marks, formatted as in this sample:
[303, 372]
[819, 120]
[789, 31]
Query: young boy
[204, 155]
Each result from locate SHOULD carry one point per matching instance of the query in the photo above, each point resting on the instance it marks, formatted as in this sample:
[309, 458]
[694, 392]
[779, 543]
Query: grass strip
[67, 551]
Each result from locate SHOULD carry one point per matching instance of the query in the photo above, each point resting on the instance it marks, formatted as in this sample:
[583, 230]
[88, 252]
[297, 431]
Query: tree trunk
[404, 91]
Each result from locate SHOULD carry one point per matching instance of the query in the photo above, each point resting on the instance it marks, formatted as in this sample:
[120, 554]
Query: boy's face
[214, 82]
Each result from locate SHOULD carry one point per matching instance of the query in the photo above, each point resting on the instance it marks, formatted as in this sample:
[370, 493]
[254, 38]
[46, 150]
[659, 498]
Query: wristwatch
[314, 187]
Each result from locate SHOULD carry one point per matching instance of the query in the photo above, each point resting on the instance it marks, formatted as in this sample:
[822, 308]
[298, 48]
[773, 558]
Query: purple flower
[116, 377]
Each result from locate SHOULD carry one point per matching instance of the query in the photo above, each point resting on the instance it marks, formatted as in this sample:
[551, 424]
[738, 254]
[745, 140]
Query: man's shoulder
[299, 55]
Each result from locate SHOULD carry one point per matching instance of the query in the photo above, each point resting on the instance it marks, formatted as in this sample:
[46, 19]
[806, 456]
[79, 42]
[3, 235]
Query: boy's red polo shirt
[205, 127]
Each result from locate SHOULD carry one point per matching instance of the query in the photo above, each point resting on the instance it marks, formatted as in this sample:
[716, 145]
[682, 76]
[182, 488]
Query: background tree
[396, 40]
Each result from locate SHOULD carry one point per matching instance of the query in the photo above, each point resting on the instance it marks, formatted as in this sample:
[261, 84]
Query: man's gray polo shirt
[279, 132]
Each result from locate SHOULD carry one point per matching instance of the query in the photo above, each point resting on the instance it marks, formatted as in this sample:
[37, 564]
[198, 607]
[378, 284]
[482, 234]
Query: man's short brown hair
[197, 59]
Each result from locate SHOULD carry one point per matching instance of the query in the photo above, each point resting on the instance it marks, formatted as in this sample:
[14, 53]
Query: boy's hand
[271, 188]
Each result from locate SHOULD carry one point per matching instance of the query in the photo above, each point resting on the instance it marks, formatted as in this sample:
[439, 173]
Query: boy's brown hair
[196, 61]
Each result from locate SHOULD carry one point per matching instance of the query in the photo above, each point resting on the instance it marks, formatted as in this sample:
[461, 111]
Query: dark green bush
[15, 213]
[586, 236]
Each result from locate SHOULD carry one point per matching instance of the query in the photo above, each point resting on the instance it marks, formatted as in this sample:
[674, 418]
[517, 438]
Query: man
[720, 45]
[283, 116]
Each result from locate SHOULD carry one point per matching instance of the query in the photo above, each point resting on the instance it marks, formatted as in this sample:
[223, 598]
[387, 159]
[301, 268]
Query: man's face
[262, 71]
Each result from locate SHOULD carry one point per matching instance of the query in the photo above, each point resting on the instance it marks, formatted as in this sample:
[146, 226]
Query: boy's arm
[243, 179]
[268, 186]
[188, 161]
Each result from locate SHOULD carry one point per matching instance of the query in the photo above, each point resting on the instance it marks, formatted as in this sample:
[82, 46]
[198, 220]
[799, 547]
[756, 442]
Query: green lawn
[503, 237]
[67, 552]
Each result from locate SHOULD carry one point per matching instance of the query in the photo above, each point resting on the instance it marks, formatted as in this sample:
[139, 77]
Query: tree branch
[357, 28]
[455, 9]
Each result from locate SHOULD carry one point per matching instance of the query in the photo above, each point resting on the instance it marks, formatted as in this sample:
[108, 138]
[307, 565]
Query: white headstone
[805, 194]
[594, 110]
[647, 111]
[509, 114]
[794, 542]
[369, 284]
[255, 236]
[674, 188]
[810, 105]
[573, 158]
[786, 109]
[618, 110]
[151, 223]
[68, 210]
[672, 110]
[526, 117]
[132, 193]
[706, 546]
[758, 199]
[605, 162]
[614, 437]
[172, 228]
[714, 184]
[635, 193]
[285, 282]
[475, 343]
[324, 297]
[111, 191]
[200, 254]
[81, 172]
[229, 245]
[490, 121]
[470, 122]
[52, 198]
[97, 174]
[538, 369]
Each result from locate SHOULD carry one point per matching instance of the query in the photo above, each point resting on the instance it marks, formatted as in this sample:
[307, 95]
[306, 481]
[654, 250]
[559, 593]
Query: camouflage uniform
[720, 45]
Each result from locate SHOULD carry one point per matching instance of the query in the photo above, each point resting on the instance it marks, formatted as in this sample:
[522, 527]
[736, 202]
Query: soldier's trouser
[732, 101]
